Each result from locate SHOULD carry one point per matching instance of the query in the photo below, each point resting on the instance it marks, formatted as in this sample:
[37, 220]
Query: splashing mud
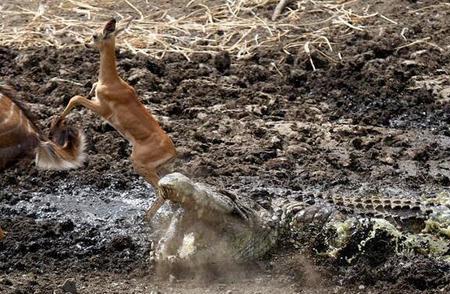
[377, 122]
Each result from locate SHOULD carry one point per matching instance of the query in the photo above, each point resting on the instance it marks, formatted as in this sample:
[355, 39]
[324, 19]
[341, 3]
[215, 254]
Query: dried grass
[239, 26]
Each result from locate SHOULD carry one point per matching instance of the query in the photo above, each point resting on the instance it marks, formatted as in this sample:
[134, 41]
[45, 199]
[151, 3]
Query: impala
[118, 104]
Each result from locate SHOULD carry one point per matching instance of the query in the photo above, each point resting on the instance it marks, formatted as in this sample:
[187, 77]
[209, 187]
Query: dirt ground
[376, 122]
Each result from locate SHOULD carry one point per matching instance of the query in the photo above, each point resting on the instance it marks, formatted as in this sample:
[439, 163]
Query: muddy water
[360, 126]
[115, 211]
[77, 221]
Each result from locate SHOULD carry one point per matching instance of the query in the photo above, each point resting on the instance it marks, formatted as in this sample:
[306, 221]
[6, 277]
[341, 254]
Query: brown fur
[20, 137]
[11, 93]
[117, 102]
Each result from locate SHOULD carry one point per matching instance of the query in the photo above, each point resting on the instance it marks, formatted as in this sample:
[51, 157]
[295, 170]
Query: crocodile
[211, 225]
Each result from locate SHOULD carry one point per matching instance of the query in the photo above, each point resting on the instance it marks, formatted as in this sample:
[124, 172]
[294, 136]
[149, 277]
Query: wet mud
[375, 123]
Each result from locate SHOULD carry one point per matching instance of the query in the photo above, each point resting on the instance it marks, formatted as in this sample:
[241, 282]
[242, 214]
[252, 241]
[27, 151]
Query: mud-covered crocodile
[211, 225]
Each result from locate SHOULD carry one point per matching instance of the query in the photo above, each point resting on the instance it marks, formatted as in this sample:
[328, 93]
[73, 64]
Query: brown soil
[376, 122]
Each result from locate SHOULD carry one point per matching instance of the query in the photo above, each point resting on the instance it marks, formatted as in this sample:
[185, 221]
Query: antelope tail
[64, 150]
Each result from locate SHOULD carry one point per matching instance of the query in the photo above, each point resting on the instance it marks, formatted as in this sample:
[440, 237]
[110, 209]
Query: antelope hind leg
[152, 177]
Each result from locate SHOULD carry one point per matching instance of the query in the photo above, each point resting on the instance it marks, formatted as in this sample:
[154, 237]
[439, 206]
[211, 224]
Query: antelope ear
[123, 25]
[109, 28]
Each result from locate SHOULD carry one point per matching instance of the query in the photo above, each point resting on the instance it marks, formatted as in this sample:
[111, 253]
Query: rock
[388, 160]
[298, 149]
[120, 243]
[6, 282]
[297, 77]
[136, 75]
[26, 61]
[49, 87]
[172, 279]
[222, 61]
[202, 115]
[66, 226]
[69, 286]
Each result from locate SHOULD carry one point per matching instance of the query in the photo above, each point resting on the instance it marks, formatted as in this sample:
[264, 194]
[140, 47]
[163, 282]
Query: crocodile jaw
[211, 226]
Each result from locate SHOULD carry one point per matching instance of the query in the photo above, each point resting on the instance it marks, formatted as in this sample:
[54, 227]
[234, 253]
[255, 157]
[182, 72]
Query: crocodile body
[213, 226]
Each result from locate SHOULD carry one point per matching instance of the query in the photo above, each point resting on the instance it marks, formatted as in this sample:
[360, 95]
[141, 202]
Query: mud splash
[370, 124]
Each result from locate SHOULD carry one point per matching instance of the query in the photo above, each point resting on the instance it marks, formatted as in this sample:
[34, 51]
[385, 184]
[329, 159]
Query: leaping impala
[117, 103]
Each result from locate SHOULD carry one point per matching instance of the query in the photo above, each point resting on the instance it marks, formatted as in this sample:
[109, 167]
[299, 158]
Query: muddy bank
[375, 123]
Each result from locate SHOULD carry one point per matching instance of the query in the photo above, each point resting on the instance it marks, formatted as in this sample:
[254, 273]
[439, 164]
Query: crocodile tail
[64, 149]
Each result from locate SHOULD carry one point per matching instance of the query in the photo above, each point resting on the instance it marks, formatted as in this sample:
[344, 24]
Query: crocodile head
[211, 226]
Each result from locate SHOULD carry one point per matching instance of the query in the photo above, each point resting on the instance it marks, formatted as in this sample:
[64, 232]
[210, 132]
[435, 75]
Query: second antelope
[117, 103]
[20, 137]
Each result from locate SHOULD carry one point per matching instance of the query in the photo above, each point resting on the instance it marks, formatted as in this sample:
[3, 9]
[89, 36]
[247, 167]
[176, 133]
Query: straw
[241, 27]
